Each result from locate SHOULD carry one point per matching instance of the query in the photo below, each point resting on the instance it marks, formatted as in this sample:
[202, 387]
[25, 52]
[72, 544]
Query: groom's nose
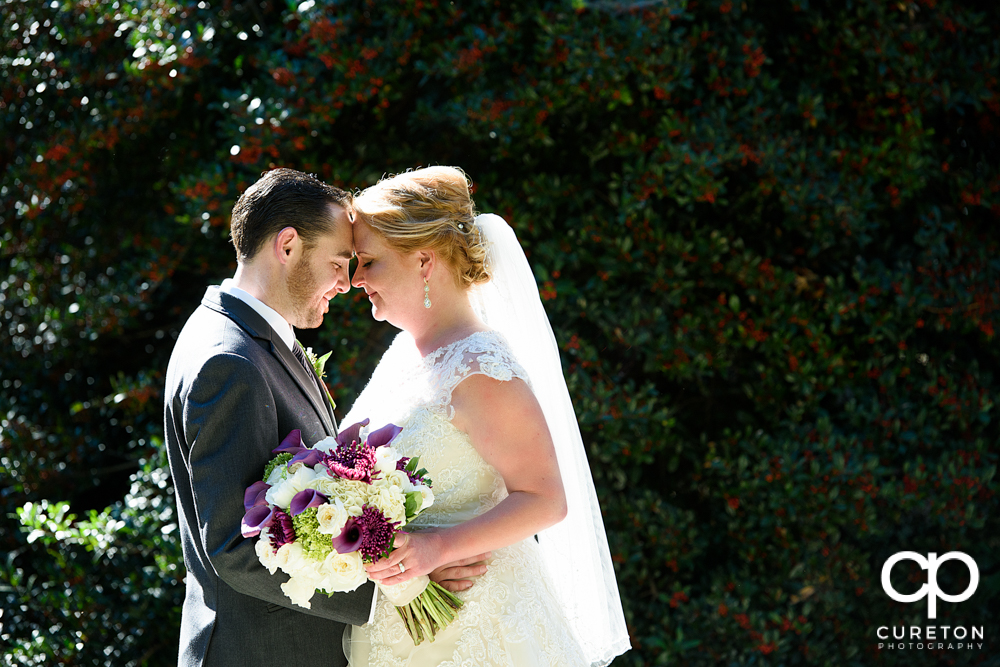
[343, 283]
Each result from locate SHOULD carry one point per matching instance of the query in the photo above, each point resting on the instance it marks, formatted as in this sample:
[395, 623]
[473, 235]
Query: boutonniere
[319, 365]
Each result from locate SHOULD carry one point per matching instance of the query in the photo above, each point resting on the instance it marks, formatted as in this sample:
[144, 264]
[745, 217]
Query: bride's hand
[420, 553]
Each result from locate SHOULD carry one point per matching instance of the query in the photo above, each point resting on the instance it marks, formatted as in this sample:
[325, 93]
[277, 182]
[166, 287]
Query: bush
[764, 233]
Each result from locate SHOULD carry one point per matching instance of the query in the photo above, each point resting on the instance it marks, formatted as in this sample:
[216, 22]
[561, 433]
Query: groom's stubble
[303, 292]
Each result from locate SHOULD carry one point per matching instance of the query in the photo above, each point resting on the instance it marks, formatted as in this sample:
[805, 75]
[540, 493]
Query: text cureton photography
[952, 637]
[931, 637]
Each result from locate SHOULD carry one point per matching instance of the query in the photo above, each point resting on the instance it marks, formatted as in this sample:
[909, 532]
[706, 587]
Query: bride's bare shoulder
[487, 402]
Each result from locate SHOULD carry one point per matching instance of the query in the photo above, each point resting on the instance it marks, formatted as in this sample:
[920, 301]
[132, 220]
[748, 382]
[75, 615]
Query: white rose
[395, 478]
[300, 590]
[278, 473]
[331, 517]
[326, 445]
[291, 559]
[322, 477]
[391, 501]
[281, 494]
[426, 495]
[386, 459]
[264, 551]
[342, 572]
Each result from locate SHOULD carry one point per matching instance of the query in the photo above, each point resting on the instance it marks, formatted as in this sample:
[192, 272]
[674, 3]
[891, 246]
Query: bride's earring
[427, 294]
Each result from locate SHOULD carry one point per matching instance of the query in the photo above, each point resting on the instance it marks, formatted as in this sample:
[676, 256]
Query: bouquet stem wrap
[425, 607]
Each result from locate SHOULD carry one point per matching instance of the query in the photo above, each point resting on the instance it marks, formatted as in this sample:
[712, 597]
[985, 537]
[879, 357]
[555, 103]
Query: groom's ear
[286, 242]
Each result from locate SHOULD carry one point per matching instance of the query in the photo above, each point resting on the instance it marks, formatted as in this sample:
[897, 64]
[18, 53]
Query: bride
[475, 381]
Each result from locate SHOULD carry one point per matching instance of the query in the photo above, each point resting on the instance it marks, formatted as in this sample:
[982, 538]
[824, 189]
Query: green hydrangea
[279, 460]
[314, 543]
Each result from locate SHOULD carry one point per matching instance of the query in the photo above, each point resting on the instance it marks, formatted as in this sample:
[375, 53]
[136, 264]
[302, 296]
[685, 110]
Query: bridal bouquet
[321, 512]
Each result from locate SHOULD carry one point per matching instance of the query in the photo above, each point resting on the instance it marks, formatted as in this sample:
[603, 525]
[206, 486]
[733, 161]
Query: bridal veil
[575, 550]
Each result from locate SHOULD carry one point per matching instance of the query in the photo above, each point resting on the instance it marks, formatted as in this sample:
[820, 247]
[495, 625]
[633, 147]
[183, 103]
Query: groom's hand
[456, 576]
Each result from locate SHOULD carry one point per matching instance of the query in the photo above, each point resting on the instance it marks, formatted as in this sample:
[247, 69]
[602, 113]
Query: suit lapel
[255, 325]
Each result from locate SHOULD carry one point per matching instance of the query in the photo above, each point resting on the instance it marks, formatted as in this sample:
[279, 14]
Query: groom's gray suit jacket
[233, 391]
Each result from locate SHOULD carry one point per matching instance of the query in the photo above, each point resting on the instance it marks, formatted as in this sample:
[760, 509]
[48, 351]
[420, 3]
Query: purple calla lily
[303, 500]
[254, 495]
[351, 434]
[350, 538]
[309, 457]
[384, 435]
[292, 443]
[371, 534]
[256, 519]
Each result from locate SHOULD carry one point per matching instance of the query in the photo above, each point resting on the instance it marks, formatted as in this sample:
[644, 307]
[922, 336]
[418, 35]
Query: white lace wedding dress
[510, 617]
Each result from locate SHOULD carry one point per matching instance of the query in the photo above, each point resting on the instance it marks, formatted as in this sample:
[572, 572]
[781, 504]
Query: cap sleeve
[484, 353]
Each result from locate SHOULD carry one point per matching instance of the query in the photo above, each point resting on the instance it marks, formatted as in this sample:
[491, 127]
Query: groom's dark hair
[284, 198]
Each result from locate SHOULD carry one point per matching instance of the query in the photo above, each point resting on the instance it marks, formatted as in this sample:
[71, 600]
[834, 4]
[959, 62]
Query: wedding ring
[402, 568]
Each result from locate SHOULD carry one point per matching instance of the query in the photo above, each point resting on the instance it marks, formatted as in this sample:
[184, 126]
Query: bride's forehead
[364, 239]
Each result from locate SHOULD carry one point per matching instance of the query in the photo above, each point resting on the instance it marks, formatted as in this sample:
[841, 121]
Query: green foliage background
[765, 233]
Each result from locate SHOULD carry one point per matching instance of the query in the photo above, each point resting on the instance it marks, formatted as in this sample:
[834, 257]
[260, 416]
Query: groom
[237, 383]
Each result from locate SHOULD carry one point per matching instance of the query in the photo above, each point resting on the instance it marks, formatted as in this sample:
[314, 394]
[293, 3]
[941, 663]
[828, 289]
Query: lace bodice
[415, 393]
[510, 617]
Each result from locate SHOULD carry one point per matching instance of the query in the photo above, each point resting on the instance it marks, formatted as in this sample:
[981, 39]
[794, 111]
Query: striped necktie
[301, 356]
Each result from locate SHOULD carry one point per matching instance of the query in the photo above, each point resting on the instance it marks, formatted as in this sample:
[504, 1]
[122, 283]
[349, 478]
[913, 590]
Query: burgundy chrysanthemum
[376, 532]
[354, 460]
[282, 531]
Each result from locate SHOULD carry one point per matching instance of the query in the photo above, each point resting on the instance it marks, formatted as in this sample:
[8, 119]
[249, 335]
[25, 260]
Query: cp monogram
[930, 589]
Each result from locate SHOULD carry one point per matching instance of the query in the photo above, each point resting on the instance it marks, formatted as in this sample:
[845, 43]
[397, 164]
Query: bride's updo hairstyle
[429, 208]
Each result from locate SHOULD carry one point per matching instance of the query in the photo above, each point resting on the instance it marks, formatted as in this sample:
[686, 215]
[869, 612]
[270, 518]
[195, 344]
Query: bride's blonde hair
[428, 208]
